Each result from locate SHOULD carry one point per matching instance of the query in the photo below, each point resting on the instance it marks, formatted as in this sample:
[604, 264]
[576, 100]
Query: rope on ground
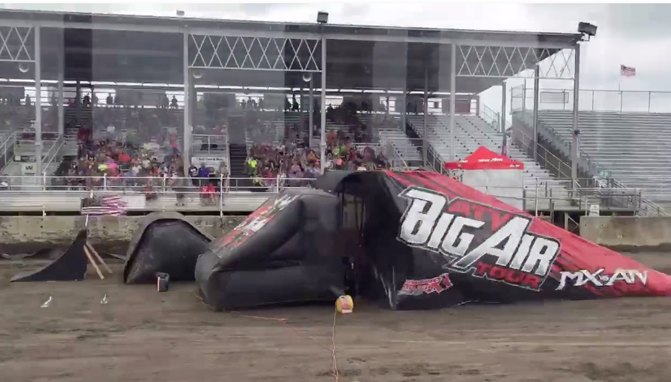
[336, 374]
[333, 346]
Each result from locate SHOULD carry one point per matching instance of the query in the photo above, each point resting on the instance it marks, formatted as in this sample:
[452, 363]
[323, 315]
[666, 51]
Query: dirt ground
[142, 335]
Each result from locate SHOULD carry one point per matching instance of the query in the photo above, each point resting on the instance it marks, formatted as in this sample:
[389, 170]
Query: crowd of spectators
[283, 155]
[122, 164]
[117, 160]
[292, 162]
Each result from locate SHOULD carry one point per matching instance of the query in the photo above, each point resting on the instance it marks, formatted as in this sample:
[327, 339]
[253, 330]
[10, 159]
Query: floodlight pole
[537, 82]
[322, 139]
[503, 107]
[575, 150]
[453, 96]
[403, 101]
[426, 117]
[38, 103]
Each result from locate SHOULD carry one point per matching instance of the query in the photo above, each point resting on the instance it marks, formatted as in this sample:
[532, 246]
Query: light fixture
[587, 30]
[307, 77]
[197, 74]
[322, 17]
[24, 67]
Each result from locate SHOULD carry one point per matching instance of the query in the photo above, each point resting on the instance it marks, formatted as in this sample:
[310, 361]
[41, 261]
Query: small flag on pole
[111, 205]
[627, 71]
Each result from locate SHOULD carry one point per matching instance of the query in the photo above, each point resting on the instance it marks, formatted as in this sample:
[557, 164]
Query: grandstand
[252, 102]
[632, 148]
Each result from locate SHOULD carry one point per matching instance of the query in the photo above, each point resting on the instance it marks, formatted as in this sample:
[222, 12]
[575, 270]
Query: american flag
[627, 71]
[111, 205]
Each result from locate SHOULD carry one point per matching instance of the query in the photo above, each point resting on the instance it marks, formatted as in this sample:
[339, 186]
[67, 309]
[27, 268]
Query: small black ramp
[166, 243]
[70, 266]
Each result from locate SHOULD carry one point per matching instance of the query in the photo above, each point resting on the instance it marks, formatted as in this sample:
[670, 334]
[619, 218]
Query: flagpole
[619, 87]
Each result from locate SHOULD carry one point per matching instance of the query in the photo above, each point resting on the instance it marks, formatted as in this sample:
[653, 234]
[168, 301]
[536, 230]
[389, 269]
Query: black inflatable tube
[167, 243]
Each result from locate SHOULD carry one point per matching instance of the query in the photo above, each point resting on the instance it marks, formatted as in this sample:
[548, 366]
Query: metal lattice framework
[506, 62]
[17, 44]
[254, 53]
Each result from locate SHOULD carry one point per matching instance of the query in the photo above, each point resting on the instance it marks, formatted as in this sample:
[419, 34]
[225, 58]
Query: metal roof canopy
[150, 49]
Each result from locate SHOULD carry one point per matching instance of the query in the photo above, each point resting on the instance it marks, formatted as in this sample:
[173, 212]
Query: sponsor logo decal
[601, 279]
[477, 239]
[437, 284]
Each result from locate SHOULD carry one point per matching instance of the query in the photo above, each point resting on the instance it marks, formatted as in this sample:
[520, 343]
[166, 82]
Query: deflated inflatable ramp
[284, 252]
[69, 266]
[167, 243]
[430, 242]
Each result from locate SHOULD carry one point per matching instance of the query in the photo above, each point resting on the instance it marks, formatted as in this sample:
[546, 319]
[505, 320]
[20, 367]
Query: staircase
[84, 117]
[237, 149]
[238, 153]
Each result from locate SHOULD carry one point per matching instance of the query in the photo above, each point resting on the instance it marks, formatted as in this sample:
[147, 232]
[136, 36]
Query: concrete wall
[625, 232]
[28, 232]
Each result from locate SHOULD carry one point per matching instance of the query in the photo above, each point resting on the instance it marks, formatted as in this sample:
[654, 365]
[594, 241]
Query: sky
[631, 34]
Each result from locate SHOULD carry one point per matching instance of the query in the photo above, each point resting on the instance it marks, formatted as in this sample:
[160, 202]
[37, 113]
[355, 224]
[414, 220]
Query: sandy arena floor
[141, 335]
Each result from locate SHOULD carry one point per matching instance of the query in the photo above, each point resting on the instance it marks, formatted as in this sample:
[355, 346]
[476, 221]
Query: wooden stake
[98, 257]
[90, 257]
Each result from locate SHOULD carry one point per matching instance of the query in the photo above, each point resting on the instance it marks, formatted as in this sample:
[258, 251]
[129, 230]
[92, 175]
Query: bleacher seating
[632, 147]
[391, 136]
[472, 132]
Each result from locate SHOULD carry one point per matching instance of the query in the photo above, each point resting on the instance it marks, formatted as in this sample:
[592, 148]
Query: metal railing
[143, 184]
[395, 159]
[47, 193]
[434, 160]
[493, 118]
[585, 162]
[7, 149]
[555, 165]
[209, 143]
[403, 148]
[594, 100]
[52, 154]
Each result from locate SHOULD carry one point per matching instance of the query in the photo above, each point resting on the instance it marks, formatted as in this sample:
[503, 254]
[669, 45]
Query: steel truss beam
[507, 62]
[17, 44]
[254, 53]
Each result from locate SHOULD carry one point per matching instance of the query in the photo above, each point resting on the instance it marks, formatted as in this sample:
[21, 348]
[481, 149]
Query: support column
[537, 82]
[61, 79]
[322, 139]
[575, 146]
[503, 107]
[477, 105]
[186, 149]
[38, 103]
[404, 105]
[301, 100]
[60, 106]
[524, 96]
[311, 122]
[426, 118]
[453, 98]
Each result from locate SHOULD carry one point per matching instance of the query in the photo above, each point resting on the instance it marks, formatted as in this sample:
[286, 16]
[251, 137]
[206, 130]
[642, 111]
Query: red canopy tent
[484, 159]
